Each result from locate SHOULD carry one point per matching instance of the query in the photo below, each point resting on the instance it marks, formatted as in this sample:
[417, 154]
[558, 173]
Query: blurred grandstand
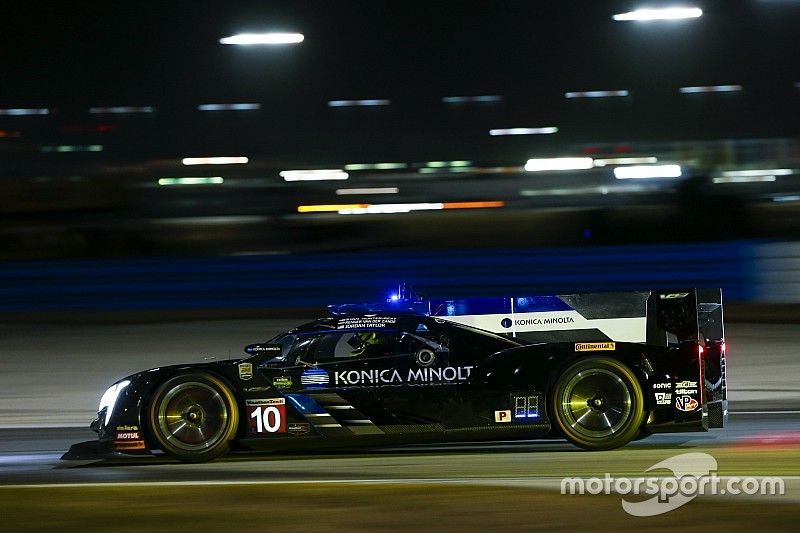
[438, 126]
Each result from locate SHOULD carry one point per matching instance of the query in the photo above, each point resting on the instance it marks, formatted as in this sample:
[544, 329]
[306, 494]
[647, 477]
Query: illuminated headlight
[110, 398]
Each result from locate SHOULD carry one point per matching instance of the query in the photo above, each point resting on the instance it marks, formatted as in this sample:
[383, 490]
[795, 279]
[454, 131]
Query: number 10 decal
[266, 416]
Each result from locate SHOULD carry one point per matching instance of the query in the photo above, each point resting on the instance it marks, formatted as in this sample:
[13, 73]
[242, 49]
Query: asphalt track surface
[53, 376]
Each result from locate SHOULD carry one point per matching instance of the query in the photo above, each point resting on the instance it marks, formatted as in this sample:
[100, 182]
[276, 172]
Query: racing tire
[598, 404]
[193, 417]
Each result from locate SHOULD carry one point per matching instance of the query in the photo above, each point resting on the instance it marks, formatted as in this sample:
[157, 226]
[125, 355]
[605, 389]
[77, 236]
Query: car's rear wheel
[598, 404]
[194, 417]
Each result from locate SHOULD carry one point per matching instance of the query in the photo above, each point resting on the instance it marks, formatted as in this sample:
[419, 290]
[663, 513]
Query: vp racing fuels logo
[685, 403]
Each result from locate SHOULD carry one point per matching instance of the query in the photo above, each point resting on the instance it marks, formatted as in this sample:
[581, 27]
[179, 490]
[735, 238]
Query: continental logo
[595, 346]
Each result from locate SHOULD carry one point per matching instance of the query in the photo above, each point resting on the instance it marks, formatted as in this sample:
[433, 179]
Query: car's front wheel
[598, 404]
[194, 417]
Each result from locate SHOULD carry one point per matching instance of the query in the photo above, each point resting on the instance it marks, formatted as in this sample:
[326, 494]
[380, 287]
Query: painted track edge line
[393, 481]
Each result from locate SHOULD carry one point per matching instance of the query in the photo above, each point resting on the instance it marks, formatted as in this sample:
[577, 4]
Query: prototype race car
[597, 369]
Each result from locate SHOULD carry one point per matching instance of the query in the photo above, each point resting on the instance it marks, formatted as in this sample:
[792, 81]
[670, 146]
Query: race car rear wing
[660, 317]
[687, 321]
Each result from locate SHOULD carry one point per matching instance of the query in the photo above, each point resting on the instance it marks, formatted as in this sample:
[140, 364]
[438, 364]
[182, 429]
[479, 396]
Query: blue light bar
[419, 307]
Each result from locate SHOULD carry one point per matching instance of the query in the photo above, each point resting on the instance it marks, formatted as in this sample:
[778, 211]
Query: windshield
[286, 340]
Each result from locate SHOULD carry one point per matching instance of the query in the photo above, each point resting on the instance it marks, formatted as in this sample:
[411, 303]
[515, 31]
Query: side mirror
[273, 350]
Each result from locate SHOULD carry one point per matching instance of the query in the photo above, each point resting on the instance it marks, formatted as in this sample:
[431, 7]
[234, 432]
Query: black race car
[596, 369]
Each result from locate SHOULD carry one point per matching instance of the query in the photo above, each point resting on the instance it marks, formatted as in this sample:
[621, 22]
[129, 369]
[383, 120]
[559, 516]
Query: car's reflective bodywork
[392, 376]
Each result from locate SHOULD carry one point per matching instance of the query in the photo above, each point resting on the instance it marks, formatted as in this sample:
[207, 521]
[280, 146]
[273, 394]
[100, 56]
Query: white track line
[764, 412]
[516, 481]
[44, 426]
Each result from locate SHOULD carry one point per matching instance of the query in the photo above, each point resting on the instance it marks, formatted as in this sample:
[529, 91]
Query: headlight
[110, 398]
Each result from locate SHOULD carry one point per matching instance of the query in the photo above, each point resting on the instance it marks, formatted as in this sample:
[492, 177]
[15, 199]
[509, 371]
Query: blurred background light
[786, 198]
[744, 179]
[647, 171]
[375, 166]
[327, 208]
[437, 170]
[625, 161]
[369, 102]
[214, 160]
[710, 89]
[759, 172]
[599, 189]
[373, 209]
[668, 13]
[195, 180]
[246, 39]
[314, 175]
[524, 131]
[386, 209]
[368, 190]
[64, 148]
[484, 99]
[445, 164]
[121, 110]
[559, 163]
[228, 107]
[18, 111]
[596, 94]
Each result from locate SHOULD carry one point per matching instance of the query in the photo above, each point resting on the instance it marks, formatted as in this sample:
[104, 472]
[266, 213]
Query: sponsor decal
[663, 398]
[686, 387]
[660, 386]
[502, 416]
[263, 348]
[266, 415]
[298, 428]
[595, 346]
[125, 445]
[685, 403]
[282, 382]
[366, 322]
[256, 389]
[448, 374]
[673, 296]
[526, 407]
[315, 378]
[128, 438]
[544, 321]
[245, 371]
[506, 323]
